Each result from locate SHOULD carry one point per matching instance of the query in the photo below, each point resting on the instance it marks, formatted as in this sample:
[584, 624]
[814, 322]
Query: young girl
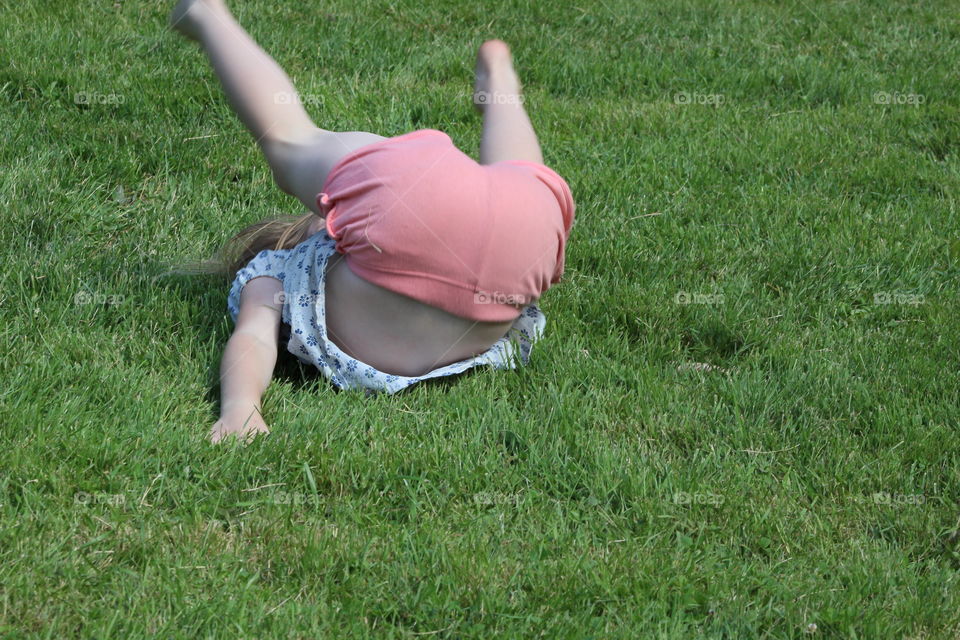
[414, 262]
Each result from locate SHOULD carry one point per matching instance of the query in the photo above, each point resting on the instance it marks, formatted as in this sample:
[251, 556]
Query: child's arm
[248, 360]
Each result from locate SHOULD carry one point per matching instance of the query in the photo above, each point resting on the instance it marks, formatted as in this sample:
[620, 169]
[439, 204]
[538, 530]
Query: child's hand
[244, 424]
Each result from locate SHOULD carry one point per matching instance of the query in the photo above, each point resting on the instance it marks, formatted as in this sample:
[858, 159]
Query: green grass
[609, 490]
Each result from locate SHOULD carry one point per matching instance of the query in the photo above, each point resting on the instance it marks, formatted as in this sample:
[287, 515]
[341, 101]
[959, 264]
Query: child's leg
[507, 132]
[299, 153]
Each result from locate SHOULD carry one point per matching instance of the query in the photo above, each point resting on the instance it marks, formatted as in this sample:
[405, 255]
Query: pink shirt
[415, 215]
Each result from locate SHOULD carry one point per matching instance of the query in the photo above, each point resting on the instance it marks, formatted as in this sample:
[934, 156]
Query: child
[414, 262]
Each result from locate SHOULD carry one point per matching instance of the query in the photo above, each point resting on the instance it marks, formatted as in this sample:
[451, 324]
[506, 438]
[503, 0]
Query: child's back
[397, 334]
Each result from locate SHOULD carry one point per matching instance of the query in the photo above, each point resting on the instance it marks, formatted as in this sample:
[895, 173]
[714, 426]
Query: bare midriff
[396, 334]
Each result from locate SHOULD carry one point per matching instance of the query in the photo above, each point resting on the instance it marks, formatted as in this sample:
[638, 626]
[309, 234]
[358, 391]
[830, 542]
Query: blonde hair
[280, 232]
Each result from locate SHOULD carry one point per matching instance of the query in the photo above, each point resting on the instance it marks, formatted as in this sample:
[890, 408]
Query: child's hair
[280, 232]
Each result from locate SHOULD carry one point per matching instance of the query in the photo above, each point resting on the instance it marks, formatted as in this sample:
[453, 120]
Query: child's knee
[285, 157]
[299, 165]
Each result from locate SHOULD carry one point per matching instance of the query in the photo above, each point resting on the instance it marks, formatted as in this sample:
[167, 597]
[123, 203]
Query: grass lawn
[743, 420]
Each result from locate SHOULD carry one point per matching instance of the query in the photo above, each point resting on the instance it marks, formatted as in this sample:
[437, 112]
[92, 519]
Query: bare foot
[189, 15]
[496, 81]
